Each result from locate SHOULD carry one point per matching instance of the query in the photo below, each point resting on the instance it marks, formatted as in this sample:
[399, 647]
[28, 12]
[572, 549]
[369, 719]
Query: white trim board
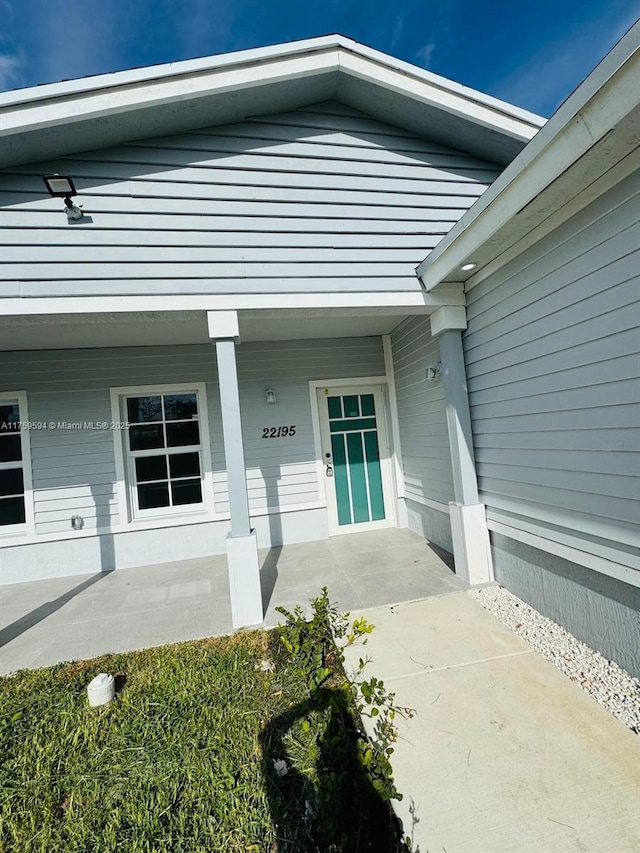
[396, 445]
[573, 555]
[422, 501]
[414, 300]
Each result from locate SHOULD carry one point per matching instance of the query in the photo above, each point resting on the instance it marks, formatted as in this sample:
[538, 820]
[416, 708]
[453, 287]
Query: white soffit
[48, 121]
[589, 144]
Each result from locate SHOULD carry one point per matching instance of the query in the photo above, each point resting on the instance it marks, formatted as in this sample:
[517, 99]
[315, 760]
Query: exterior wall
[321, 199]
[552, 367]
[74, 472]
[426, 462]
[432, 524]
[599, 610]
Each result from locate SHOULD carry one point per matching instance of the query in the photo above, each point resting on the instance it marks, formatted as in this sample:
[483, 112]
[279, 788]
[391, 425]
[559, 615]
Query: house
[230, 337]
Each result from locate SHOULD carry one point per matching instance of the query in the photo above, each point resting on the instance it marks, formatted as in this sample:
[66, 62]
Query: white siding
[552, 353]
[74, 472]
[320, 199]
[421, 413]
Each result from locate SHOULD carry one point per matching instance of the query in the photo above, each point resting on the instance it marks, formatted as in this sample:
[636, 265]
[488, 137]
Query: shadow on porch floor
[44, 622]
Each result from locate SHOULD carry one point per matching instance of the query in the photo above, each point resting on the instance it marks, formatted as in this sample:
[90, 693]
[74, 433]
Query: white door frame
[357, 384]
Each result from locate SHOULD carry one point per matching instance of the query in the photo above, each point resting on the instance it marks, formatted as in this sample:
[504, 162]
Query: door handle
[329, 469]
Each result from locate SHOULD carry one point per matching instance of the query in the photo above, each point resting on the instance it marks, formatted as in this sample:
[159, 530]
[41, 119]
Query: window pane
[146, 437]
[335, 407]
[151, 468]
[9, 417]
[180, 407]
[11, 482]
[12, 511]
[10, 448]
[183, 434]
[184, 465]
[366, 401]
[351, 409]
[186, 492]
[153, 495]
[141, 409]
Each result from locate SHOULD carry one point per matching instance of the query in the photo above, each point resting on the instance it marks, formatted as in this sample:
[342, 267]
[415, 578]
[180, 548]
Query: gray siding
[321, 199]
[552, 353]
[421, 413]
[74, 472]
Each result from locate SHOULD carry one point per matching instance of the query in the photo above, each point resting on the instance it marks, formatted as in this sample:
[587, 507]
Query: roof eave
[50, 110]
[602, 103]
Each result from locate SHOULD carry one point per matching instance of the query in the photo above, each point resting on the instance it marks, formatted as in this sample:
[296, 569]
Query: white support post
[471, 548]
[242, 545]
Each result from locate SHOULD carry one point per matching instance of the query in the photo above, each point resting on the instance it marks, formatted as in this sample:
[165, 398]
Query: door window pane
[351, 408]
[335, 407]
[366, 403]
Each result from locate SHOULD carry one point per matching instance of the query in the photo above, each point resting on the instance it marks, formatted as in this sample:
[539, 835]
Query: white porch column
[242, 545]
[469, 530]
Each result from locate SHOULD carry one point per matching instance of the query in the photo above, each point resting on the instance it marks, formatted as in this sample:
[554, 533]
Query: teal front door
[355, 458]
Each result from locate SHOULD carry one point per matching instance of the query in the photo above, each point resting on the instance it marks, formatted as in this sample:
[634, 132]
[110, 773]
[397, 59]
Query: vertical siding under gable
[320, 199]
[553, 363]
[74, 471]
[421, 413]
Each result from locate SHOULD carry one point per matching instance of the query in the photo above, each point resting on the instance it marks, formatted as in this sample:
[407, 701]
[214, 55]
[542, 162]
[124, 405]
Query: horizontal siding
[287, 203]
[421, 413]
[553, 366]
[74, 471]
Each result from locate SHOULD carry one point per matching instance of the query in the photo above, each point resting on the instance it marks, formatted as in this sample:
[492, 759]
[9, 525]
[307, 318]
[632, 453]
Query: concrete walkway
[504, 754]
[46, 622]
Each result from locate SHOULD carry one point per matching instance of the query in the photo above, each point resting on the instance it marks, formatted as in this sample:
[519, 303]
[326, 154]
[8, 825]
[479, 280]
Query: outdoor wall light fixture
[77, 522]
[470, 266]
[61, 186]
[270, 395]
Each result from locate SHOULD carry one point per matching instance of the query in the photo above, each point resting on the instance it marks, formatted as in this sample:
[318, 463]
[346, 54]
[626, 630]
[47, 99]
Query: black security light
[62, 186]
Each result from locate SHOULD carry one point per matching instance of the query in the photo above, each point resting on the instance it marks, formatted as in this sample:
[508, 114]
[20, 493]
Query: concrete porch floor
[45, 622]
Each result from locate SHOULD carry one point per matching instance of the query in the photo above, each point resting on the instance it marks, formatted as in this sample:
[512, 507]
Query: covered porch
[45, 622]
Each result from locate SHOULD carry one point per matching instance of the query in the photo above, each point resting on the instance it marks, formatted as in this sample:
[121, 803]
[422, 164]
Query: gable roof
[590, 143]
[48, 121]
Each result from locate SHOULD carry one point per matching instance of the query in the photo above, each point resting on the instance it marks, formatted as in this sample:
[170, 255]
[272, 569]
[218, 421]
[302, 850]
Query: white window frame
[28, 526]
[126, 487]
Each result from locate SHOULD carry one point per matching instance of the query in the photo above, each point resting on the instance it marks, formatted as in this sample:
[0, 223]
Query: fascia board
[187, 67]
[444, 91]
[414, 299]
[124, 98]
[609, 94]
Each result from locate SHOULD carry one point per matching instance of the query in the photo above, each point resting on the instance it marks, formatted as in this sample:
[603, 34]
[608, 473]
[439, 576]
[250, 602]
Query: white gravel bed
[609, 684]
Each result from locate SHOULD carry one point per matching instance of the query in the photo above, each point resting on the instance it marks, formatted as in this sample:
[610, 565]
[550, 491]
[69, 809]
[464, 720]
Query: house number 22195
[278, 432]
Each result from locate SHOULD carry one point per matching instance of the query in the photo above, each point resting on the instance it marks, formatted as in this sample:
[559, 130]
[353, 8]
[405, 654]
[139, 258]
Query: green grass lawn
[183, 759]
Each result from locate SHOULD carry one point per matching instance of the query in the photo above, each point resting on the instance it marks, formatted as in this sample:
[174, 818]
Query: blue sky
[532, 53]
